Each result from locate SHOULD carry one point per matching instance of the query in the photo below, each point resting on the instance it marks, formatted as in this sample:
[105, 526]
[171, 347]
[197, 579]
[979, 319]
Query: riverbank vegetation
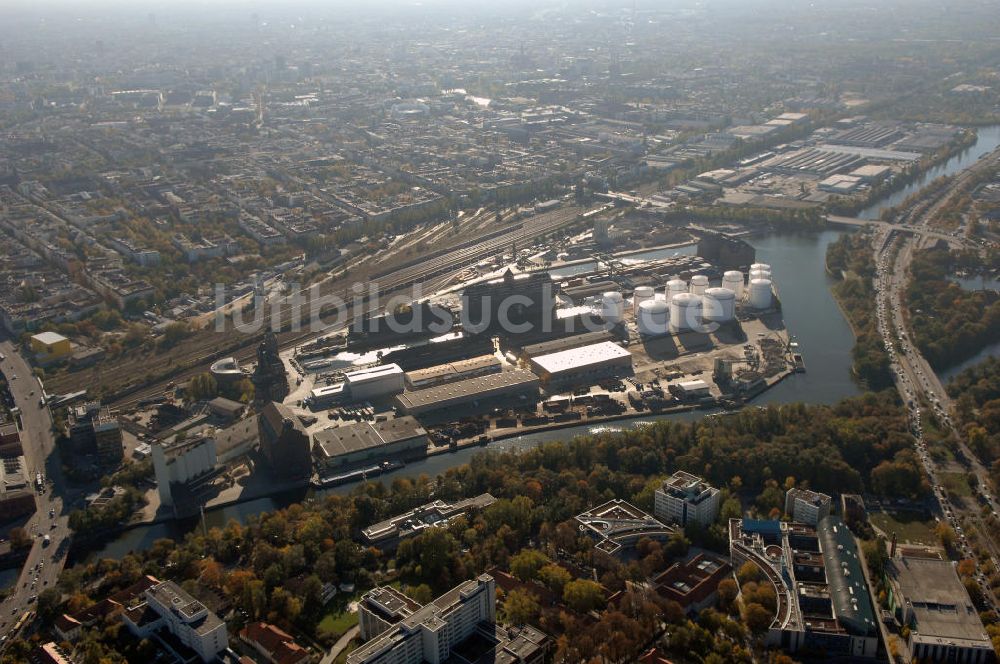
[850, 260]
[275, 565]
[976, 392]
[851, 205]
[949, 323]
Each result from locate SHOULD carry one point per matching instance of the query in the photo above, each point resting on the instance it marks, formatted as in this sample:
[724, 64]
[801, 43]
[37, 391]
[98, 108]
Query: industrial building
[473, 390]
[458, 370]
[377, 382]
[617, 526]
[805, 506]
[440, 350]
[565, 343]
[179, 465]
[398, 630]
[684, 498]
[583, 364]
[725, 251]
[284, 442]
[690, 390]
[364, 442]
[326, 396]
[418, 319]
[928, 597]
[50, 347]
[813, 161]
[824, 605]
[169, 607]
[388, 533]
[510, 302]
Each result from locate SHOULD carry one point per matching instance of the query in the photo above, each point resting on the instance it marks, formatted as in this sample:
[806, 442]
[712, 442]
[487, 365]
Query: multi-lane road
[917, 382]
[45, 560]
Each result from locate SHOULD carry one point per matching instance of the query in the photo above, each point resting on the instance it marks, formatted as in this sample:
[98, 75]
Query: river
[987, 140]
[811, 314]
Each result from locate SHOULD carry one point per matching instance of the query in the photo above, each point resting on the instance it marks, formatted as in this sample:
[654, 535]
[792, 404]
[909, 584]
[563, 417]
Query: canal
[811, 314]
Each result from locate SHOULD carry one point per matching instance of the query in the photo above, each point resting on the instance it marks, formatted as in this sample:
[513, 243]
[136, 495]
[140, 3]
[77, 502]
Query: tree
[583, 595]
[757, 618]
[727, 591]
[174, 333]
[749, 571]
[48, 604]
[945, 534]
[421, 593]
[554, 577]
[520, 607]
[203, 386]
[526, 563]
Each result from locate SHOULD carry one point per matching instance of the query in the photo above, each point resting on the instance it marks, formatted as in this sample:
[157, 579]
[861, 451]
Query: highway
[42, 568]
[917, 382]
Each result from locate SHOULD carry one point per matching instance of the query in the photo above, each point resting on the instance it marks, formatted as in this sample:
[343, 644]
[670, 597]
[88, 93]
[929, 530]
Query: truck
[46, 540]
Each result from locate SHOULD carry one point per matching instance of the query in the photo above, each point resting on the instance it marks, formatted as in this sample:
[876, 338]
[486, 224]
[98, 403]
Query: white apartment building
[805, 506]
[169, 607]
[685, 498]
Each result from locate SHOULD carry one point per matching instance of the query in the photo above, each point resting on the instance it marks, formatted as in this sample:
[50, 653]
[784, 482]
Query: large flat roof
[940, 602]
[372, 373]
[363, 435]
[468, 389]
[49, 338]
[581, 358]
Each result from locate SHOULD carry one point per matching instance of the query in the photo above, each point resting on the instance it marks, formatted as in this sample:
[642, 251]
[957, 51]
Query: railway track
[449, 263]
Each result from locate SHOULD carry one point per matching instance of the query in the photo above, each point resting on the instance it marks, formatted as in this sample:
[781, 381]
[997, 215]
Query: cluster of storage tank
[684, 306]
[759, 287]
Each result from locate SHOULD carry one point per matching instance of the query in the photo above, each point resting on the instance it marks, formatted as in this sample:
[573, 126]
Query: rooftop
[363, 435]
[49, 338]
[941, 605]
[580, 358]
[468, 388]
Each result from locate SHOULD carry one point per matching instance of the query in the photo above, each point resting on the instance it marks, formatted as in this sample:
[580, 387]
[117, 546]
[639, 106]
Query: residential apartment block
[685, 498]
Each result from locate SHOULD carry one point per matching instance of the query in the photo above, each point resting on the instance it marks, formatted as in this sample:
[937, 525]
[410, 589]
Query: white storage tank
[718, 305]
[761, 266]
[699, 283]
[733, 280]
[612, 307]
[760, 274]
[760, 294]
[675, 286]
[653, 318]
[640, 295]
[685, 309]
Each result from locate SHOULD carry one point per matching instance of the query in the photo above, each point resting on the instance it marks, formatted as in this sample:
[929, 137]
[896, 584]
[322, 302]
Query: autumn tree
[520, 607]
[583, 595]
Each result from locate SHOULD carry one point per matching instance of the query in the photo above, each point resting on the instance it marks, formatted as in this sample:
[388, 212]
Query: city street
[43, 565]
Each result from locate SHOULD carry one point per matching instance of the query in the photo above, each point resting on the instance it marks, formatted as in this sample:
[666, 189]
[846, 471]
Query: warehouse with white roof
[586, 363]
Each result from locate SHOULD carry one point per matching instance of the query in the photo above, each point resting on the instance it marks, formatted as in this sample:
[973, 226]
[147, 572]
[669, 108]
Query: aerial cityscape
[467, 332]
